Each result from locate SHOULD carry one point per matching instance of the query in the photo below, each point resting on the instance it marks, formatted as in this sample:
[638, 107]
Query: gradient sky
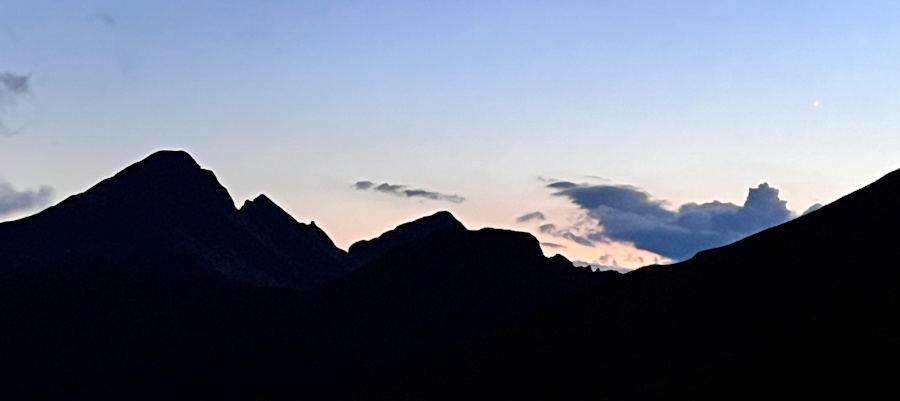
[690, 101]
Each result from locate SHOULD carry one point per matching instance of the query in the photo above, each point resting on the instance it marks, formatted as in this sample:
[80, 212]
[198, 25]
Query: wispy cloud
[533, 216]
[405, 191]
[553, 245]
[628, 214]
[12, 200]
[551, 229]
[102, 17]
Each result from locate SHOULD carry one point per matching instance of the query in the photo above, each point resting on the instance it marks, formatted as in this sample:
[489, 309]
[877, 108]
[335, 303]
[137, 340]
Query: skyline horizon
[662, 118]
[631, 257]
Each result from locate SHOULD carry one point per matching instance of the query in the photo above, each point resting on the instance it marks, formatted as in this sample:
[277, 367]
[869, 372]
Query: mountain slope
[168, 203]
[152, 285]
[808, 308]
[438, 289]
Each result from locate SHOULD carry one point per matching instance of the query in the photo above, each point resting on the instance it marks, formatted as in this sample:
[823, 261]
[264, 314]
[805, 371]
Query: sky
[619, 133]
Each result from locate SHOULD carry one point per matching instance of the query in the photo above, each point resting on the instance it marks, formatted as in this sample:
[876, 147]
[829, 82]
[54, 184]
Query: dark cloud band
[533, 216]
[403, 191]
[628, 214]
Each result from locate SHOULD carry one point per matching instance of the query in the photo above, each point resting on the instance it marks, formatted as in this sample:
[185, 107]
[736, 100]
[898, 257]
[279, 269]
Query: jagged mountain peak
[263, 207]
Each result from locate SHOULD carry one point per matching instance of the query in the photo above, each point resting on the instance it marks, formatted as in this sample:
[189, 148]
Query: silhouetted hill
[366, 250]
[434, 292]
[153, 285]
[167, 204]
[808, 308]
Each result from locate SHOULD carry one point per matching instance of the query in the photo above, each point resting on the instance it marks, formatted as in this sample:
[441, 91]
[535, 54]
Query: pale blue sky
[690, 101]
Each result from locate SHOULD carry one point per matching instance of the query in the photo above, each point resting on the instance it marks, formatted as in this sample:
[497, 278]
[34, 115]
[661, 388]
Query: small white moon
[816, 103]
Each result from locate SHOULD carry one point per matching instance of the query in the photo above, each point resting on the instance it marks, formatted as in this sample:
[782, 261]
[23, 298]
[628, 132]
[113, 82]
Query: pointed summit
[263, 208]
[312, 256]
[270, 218]
[166, 180]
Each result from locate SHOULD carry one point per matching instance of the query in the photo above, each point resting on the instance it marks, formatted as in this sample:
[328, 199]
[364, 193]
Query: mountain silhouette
[366, 250]
[807, 308]
[438, 289]
[152, 285]
[167, 203]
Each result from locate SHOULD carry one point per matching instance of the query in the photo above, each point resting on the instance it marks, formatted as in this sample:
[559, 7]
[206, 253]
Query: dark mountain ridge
[807, 308]
[153, 285]
[167, 203]
[366, 250]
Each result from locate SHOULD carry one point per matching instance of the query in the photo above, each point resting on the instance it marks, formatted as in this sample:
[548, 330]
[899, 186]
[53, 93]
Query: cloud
[629, 214]
[599, 178]
[12, 86]
[102, 17]
[562, 185]
[13, 83]
[13, 201]
[812, 208]
[607, 259]
[548, 228]
[363, 185]
[578, 239]
[553, 245]
[403, 192]
[538, 216]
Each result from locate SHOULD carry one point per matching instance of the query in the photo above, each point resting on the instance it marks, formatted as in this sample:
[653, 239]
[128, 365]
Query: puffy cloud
[13, 201]
[403, 191]
[629, 214]
[12, 86]
[362, 185]
[533, 216]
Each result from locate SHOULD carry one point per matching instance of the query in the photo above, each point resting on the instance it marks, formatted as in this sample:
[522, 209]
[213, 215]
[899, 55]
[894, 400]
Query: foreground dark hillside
[808, 308]
[153, 285]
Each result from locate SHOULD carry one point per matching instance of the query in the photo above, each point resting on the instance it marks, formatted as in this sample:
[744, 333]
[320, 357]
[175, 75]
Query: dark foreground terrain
[153, 285]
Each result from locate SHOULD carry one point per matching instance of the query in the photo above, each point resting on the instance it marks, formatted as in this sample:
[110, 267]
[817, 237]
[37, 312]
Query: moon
[816, 103]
